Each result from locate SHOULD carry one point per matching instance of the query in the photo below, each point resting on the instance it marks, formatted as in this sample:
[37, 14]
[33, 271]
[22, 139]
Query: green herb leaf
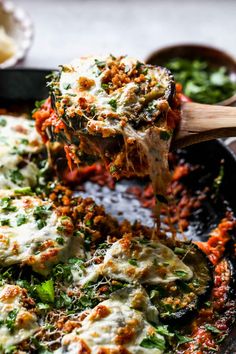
[183, 339]
[60, 240]
[38, 105]
[181, 273]
[45, 291]
[11, 319]
[66, 86]
[133, 262]
[21, 219]
[113, 104]
[5, 204]
[3, 122]
[202, 81]
[5, 222]
[63, 301]
[179, 250]
[212, 329]
[41, 213]
[41, 223]
[154, 341]
[100, 63]
[16, 176]
[23, 191]
[24, 141]
[165, 135]
[164, 331]
[105, 86]
[10, 349]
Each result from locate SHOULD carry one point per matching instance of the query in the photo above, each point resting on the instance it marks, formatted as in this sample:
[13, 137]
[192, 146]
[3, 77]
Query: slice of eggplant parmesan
[118, 110]
[179, 300]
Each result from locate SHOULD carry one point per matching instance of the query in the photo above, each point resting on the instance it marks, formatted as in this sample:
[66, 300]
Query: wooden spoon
[202, 122]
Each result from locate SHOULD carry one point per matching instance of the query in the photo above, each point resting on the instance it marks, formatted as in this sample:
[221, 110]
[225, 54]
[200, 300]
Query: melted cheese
[23, 322]
[18, 140]
[133, 261]
[132, 106]
[126, 97]
[114, 326]
[28, 238]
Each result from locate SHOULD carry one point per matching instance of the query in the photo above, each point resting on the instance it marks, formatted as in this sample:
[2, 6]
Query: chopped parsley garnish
[164, 135]
[41, 213]
[10, 349]
[212, 329]
[138, 65]
[113, 104]
[60, 240]
[41, 223]
[105, 86]
[3, 122]
[154, 341]
[24, 141]
[164, 331]
[60, 229]
[61, 272]
[88, 222]
[181, 273]
[218, 181]
[100, 63]
[38, 104]
[66, 86]
[45, 291]
[5, 204]
[93, 110]
[183, 339]
[201, 81]
[63, 301]
[5, 222]
[11, 319]
[112, 169]
[133, 262]
[21, 219]
[16, 176]
[179, 250]
[23, 191]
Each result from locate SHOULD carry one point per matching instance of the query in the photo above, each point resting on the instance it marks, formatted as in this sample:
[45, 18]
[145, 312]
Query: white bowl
[18, 25]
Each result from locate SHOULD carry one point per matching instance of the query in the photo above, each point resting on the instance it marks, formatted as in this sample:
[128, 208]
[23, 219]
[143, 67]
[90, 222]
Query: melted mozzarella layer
[31, 232]
[133, 261]
[150, 263]
[127, 97]
[17, 323]
[18, 139]
[112, 326]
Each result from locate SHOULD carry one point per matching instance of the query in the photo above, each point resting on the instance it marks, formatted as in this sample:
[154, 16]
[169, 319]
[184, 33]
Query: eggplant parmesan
[117, 325]
[31, 232]
[19, 143]
[75, 279]
[116, 109]
[17, 316]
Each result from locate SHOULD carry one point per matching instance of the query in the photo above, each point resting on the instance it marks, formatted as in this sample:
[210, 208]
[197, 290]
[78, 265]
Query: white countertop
[70, 28]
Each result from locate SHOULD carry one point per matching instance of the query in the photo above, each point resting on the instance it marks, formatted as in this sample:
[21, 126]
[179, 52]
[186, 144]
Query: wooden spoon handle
[202, 122]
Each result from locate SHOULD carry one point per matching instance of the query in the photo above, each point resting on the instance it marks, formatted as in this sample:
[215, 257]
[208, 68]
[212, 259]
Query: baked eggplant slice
[180, 299]
[115, 109]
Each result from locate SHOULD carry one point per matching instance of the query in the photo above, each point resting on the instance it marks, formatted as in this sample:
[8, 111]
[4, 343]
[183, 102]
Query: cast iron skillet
[20, 88]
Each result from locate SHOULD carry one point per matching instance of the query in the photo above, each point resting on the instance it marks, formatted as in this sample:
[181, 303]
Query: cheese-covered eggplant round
[31, 232]
[18, 141]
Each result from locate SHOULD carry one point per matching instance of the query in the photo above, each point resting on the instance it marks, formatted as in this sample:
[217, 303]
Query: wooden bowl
[214, 56]
[18, 25]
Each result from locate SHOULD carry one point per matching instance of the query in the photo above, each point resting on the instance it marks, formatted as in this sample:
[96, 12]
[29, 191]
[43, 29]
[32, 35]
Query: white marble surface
[70, 28]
